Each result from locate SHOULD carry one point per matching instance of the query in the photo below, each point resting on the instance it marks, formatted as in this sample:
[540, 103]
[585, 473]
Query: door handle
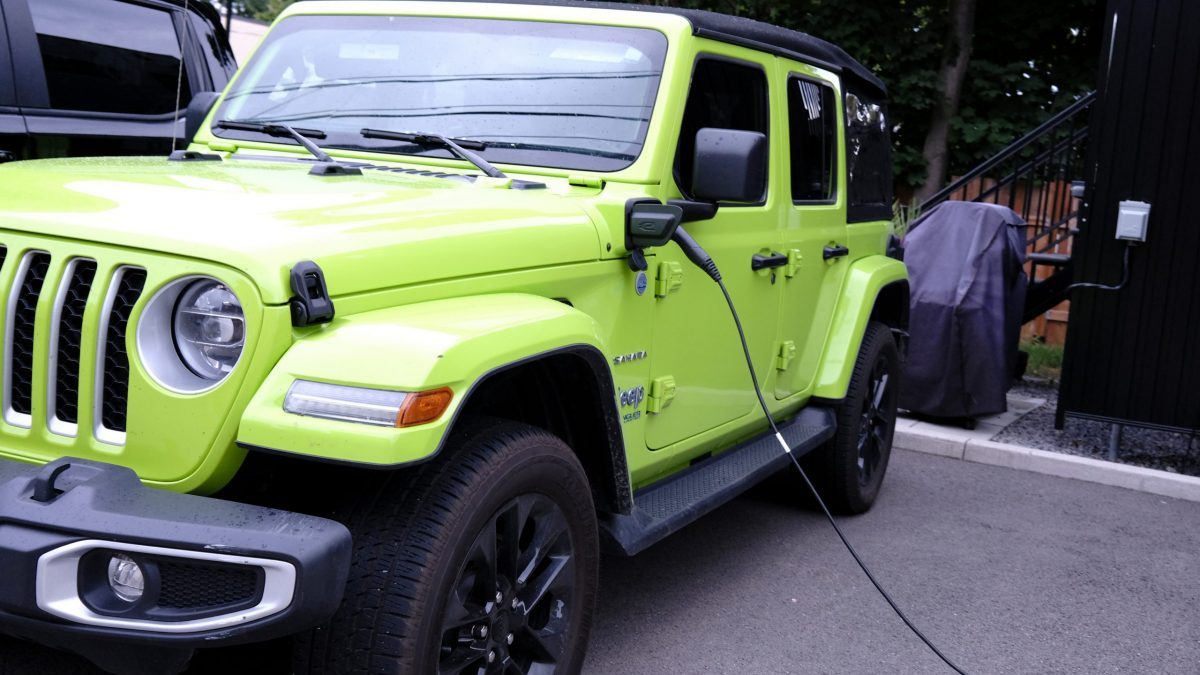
[835, 251]
[760, 261]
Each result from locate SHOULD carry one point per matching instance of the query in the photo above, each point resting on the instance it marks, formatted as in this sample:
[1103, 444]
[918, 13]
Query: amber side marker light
[424, 407]
[366, 406]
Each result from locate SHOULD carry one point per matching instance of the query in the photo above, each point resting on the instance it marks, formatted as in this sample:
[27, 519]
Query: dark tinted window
[109, 56]
[221, 64]
[724, 95]
[812, 118]
[868, 157]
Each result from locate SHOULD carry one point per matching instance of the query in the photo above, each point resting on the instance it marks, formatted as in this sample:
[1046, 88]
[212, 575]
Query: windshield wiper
[456, 147]
[327, 166]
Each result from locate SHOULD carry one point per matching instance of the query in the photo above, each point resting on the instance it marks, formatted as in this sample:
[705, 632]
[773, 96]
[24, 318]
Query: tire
[849, 469]
[421, 587]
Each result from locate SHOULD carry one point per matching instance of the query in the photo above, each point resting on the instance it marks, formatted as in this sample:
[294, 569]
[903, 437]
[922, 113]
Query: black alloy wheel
[482, 561]
[877, 423]
[506, 613]
[848, 470]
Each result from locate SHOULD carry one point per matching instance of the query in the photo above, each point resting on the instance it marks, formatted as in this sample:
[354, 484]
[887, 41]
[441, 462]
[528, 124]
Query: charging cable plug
[696, 253]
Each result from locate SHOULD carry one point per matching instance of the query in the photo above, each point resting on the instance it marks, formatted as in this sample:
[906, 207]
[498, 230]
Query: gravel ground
[1163, 450]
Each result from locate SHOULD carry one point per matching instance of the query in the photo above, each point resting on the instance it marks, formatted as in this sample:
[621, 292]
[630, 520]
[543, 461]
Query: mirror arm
[694, 211]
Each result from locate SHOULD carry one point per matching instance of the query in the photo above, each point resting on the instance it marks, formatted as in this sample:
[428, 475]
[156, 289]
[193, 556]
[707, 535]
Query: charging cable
[1103, 287]
[701, 259]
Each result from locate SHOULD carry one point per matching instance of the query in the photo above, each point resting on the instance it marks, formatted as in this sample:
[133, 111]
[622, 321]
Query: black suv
[102, 77]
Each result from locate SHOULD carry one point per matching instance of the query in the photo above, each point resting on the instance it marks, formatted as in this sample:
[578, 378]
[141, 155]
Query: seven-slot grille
[37, 287]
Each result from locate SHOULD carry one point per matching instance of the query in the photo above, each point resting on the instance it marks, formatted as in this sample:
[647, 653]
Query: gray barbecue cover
[965, 265]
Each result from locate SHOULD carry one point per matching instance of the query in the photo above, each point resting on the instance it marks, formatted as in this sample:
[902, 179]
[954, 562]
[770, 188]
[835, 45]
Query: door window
[108, 56]
[812, 115]
[724, 95]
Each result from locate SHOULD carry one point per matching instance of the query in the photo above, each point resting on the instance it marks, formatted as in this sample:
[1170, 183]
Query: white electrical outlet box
[1132, 219]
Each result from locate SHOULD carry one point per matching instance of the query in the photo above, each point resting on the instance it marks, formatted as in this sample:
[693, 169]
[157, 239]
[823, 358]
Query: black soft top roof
[750, 33]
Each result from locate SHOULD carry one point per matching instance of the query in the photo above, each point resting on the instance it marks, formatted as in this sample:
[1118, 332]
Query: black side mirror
[197, 110]
[730, 166]
[648, 224]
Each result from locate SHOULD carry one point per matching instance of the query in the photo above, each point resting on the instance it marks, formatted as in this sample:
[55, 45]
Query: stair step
[1043, 295]
[667, 506]
[1055, 259]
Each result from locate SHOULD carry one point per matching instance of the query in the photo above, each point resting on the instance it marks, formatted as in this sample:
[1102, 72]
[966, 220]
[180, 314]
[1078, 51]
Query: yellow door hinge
[670, 278]
[662, 390]
[793, 263]
[785, 354]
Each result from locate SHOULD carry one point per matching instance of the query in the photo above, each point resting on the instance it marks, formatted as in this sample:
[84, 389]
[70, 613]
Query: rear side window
[868, 155]
[724, 95]
[108, 56]
[812, 112]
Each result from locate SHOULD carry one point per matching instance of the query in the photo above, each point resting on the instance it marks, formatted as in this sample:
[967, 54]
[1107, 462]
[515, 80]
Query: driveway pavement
[1008, 572]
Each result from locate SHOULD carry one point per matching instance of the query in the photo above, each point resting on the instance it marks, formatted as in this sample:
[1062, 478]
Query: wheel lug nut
[499, 597]
[508, 639]
[516, 603]
[479, 632]
[491, 657]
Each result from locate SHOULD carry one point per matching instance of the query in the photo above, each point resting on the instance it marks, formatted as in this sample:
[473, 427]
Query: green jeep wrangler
[424, 318]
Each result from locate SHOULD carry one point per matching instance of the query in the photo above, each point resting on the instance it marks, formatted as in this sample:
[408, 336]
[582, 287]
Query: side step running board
[668, 506]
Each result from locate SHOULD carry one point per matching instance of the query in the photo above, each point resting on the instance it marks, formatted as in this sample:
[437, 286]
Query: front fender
[442, 343]
[864, 282]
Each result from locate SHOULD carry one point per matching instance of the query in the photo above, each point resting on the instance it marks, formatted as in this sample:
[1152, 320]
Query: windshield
[556, 95]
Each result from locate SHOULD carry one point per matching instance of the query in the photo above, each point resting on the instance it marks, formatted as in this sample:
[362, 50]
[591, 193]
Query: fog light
[125, 578]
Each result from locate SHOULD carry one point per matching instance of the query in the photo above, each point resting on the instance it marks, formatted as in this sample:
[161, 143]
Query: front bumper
[216, 572]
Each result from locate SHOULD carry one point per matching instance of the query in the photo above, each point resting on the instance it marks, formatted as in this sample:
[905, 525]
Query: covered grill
[965, 264]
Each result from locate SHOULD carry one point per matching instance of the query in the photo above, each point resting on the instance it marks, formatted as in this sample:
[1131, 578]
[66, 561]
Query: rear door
[814, 232]
[100, 76]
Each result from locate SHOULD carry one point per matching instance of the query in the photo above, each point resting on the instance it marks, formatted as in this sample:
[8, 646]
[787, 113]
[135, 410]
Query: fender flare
[458, 343]
[866, 282]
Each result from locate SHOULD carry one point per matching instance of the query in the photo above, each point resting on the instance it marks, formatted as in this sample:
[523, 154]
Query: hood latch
[311, 304]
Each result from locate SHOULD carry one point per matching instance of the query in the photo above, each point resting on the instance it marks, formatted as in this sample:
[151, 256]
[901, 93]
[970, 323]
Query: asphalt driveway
[1008, 572]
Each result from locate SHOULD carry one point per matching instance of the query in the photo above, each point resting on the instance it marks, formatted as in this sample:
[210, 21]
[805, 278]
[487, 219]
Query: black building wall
[1134, 355]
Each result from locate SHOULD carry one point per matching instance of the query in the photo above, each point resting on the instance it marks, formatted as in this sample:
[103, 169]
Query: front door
[699, 379]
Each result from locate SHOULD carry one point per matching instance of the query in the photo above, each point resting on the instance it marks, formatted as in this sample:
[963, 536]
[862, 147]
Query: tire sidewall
[840, 460]
[527, 464]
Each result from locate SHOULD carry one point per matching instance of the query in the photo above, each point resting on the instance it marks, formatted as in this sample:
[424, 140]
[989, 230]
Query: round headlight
[209, 329]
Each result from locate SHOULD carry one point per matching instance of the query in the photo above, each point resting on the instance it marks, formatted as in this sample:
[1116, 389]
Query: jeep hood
[378, 230]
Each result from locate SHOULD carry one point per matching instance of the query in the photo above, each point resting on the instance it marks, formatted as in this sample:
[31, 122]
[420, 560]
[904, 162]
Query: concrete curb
[960, 444]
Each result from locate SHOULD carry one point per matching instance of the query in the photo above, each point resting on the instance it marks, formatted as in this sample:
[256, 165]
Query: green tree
[263, 10]
[1028, 60]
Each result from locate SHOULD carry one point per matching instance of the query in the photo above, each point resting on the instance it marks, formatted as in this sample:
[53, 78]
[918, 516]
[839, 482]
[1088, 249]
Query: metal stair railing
[1034, 176]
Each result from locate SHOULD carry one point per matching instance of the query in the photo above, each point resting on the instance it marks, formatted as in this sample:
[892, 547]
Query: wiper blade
[280, 130]
[455, 146]
[418, 138]
[328, 166]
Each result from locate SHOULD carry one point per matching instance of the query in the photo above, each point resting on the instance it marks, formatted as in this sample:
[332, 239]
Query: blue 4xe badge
[632, 398]
[640, 283]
